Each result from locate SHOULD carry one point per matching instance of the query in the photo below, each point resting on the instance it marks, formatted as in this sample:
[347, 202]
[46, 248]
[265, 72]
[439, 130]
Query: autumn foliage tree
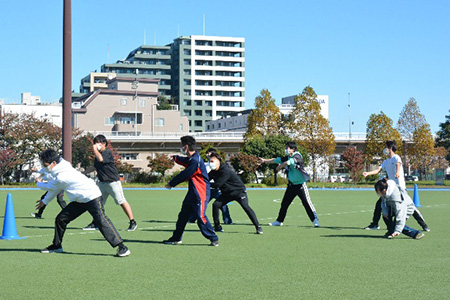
[245, 165]
[422, 150]
[354, 162]
[160, 163]
[8, 160]
[313, 130]
[28, 135]
[379, 130]
[440, 160]
[266, 118]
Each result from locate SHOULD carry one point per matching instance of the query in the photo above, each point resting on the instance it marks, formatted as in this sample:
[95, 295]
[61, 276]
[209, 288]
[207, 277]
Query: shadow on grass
[65, 252]
[131, 241]
[354, 236]
[158, 221]
[49, 227]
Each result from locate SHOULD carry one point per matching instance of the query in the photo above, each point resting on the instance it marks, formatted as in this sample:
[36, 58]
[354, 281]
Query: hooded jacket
[78, 187]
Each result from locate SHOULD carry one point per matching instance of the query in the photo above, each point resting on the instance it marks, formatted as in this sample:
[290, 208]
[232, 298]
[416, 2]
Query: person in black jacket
[232, 189]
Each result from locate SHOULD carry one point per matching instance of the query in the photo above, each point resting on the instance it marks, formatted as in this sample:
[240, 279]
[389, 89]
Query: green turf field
[340, 260]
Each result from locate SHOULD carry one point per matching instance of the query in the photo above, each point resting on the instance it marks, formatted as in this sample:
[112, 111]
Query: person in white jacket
[84, 195]
[397, 207]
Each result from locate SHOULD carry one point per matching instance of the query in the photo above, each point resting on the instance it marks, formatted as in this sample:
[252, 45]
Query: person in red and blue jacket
[198, 193]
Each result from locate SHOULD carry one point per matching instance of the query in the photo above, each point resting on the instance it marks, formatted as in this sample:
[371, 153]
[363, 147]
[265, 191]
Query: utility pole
[67, 81]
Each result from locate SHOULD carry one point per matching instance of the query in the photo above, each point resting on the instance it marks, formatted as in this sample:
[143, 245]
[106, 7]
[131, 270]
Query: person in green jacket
[297, 176]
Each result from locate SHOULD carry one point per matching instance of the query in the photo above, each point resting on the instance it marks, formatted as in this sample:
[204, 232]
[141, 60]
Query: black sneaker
[36, 215]
[218, 229]
[372, 227]
[214, 243]
[259, 230]
[133, 226]
[123, 251]
[426, 228]
[91, 227]
[171, 241]
[52, 249]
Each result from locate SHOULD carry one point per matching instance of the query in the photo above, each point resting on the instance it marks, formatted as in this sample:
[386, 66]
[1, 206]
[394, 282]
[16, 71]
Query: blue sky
[381, 52]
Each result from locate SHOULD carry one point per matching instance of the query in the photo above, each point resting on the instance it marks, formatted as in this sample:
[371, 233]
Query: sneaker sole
[132, 229]
[90, 229]
[172, 243]
[271, 224]
[419, 236]
[124, 254]
[52, 251]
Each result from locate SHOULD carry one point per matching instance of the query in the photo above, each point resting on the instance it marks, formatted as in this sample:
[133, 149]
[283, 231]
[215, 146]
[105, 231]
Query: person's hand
[261, 161]
[39, 204]
[365, 174]
[279, 168]
[38, 179]
[168, 186]
[395, 234]
[397, 175]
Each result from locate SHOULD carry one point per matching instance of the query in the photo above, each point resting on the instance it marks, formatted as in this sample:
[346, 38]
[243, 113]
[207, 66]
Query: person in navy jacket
[198, 193]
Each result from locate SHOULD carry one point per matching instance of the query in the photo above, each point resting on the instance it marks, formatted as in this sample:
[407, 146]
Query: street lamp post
[135, 86]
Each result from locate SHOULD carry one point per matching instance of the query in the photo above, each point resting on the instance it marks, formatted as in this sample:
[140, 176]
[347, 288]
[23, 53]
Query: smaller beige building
[128, 110]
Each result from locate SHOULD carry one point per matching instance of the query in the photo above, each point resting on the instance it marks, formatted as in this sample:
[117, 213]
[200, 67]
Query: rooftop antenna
[145, 38]
[204, 25]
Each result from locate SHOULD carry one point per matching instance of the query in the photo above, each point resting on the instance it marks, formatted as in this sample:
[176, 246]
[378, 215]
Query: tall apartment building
[203, 75]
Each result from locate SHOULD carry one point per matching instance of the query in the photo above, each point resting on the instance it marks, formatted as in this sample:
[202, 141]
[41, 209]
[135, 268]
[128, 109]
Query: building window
[198, 123]
[187, 112]
[198, 102]
[126, 120]
[109, 121]
[181, 127]
[208, 113]
[142, 102]
[187, 102]
[129, 156]
[123, 101]
[159, 122]
[198, 113]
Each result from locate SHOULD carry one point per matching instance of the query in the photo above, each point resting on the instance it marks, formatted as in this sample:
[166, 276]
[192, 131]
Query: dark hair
[100, 139]
[216, 155]
[292, 145]
[381, 185]
[189, 141]
[211, 150]
[49, 156]
[391, 145]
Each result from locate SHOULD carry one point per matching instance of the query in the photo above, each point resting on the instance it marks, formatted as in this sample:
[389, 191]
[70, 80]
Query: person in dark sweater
[232, 189]
[109, 180]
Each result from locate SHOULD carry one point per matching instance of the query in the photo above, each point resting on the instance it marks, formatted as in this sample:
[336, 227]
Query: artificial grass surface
[340, 260]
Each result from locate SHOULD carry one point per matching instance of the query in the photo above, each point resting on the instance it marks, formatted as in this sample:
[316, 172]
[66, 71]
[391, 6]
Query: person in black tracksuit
[232, 189]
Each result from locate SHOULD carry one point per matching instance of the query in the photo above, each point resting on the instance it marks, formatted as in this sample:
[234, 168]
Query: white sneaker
[316, 223]
[276, 223]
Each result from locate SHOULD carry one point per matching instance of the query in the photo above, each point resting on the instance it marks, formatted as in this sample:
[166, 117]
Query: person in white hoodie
[397, 207]
[84, 195]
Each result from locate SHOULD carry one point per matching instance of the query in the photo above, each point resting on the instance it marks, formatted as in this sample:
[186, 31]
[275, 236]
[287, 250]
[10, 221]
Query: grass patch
[340, 260]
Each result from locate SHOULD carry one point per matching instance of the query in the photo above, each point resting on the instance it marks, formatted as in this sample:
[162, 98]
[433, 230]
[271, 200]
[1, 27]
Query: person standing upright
[109, 180]
[297, 176]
